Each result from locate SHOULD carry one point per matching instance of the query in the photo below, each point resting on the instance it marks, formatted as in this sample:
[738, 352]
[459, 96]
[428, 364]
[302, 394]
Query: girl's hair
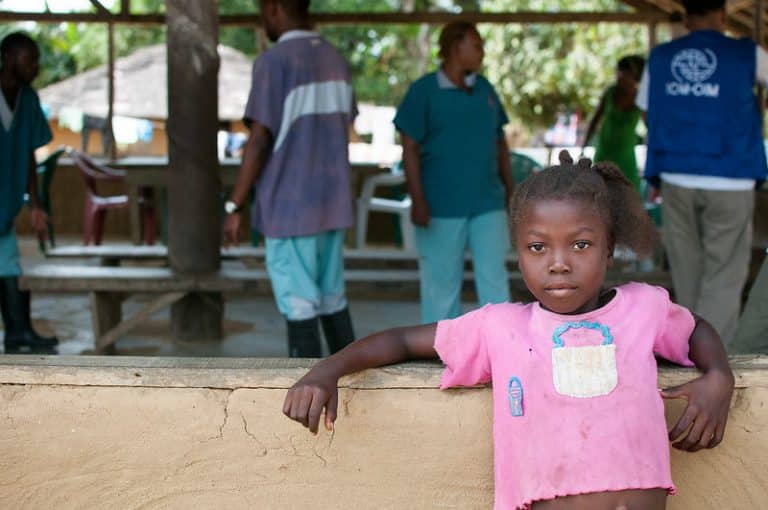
[633, 65]
[602, 185]
[451, 34]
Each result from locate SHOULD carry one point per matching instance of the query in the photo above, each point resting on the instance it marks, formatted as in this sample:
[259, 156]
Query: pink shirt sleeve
[676, 325]
[461, 344]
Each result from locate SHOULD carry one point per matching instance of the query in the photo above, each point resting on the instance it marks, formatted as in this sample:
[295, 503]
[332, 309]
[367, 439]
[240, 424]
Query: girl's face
[564, 250]
[469, 52]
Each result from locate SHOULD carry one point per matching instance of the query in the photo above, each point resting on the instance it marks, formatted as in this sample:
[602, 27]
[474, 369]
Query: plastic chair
[96, 205]
[367, 202]
[522, 166]
[45, 170]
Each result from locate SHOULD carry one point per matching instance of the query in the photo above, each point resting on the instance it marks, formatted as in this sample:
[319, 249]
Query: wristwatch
[230, 207]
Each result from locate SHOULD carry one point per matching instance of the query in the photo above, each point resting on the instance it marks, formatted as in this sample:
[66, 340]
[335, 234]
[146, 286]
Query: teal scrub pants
[307, 274]
[9, 255]
[441, 248]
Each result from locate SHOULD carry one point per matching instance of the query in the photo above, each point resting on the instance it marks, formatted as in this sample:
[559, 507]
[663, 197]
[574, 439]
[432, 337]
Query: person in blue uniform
[23, 129]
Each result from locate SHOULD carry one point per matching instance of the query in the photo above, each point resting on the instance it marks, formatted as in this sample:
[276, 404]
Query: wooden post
[653, 34]
[194, 187]
[112, 153]
[759, 6]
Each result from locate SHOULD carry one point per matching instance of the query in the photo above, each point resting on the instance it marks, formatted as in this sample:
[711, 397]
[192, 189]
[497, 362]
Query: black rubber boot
[338, 330]
[19, 334]
[304, 339]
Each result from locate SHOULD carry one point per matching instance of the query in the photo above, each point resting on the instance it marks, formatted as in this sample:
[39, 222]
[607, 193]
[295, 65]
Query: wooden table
[152, 172]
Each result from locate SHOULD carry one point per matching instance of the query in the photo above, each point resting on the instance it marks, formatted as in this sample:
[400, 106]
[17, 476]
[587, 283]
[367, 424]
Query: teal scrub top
[29, 130]
[458, 132]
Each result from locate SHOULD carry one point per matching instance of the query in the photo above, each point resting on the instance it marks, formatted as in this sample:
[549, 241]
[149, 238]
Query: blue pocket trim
[557, 336]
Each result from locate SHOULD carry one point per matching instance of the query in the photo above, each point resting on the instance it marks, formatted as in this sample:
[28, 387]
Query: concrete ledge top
[268, 373]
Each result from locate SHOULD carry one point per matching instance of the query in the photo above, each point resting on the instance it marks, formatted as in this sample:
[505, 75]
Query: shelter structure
[192, 38]
[141, 92]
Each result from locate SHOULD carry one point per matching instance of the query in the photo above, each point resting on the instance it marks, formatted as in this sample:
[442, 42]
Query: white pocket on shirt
[584, 372]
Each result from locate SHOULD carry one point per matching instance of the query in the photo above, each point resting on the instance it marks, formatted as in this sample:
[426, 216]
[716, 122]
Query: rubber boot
[338, 330]
[14, 304]
[304, 339]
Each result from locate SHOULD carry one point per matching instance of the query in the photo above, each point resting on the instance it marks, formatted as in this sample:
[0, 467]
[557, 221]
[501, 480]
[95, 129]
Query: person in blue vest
[705, 156]
[23, 129]
[458, 174]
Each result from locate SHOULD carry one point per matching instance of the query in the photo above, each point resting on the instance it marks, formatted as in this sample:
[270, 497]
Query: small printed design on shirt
[584, 372]
[515, 394]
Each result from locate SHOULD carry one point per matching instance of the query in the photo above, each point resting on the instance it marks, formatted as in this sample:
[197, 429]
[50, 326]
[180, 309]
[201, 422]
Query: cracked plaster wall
[83, 447]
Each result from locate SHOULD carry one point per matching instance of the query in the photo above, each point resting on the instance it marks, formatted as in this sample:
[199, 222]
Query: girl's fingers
[717, 438]
[315, 411]
[683, 423]
[302, 409]
[330, 410]
[691, 440]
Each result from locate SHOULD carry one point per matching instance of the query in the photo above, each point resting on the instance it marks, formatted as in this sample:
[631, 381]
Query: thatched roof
[140, 86]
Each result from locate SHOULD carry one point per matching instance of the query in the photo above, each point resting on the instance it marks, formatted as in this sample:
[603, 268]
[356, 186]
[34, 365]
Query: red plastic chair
[96, 205]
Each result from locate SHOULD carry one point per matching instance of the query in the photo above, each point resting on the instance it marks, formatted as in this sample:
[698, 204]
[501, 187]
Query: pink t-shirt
[576, 404]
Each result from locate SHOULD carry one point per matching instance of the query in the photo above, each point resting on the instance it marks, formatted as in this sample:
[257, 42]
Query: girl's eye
[582, 245]
[536, 247]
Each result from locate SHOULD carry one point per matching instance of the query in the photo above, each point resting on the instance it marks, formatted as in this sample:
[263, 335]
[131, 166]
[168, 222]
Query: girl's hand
[305, 401]
[709, 399]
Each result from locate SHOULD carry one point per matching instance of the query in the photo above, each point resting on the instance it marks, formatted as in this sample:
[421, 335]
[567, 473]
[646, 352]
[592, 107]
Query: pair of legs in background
[442, 246]
[307, 276]
[15, 303]
[708, 239]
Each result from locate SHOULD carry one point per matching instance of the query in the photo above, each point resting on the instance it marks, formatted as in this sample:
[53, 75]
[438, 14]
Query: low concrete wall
[140, 433]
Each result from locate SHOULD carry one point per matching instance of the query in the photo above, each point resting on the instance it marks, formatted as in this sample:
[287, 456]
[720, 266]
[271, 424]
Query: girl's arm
[594, 122]
[709, 396]
[317, 389]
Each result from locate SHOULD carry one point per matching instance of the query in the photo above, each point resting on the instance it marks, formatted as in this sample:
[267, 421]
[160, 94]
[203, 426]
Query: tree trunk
[194, 186]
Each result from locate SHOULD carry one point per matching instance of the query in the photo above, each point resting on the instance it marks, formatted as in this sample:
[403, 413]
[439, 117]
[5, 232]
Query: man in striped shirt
[299, 111]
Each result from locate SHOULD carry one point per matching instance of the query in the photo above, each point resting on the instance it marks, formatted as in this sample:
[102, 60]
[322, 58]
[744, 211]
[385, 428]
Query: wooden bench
[110, 286]
[115, 254]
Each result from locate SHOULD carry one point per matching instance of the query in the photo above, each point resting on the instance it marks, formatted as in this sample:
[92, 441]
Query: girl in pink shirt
[577, 365]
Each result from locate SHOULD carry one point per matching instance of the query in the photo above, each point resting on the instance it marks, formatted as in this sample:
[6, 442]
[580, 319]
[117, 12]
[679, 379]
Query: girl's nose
[558, 264]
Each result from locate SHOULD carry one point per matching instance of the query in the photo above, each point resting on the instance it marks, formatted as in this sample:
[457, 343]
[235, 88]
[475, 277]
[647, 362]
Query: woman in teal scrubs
[23, 129]
[458, 174]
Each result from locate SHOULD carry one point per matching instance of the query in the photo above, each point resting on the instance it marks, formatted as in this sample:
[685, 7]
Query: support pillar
[194, 187]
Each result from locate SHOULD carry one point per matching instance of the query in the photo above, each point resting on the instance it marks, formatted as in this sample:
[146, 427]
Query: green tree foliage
[540, 68]
[537, 68]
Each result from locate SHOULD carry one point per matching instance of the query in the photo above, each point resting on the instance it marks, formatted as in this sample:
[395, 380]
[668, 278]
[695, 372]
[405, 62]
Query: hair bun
[565, 158]
[584, 164]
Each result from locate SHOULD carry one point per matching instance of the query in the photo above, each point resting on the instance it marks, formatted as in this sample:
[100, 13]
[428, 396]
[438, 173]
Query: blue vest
[703, 117]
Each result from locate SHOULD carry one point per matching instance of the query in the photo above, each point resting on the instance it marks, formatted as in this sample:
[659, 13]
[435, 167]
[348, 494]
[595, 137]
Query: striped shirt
[301, 92]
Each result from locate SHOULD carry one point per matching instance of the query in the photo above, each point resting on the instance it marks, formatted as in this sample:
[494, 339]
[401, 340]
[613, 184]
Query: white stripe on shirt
[314, 99]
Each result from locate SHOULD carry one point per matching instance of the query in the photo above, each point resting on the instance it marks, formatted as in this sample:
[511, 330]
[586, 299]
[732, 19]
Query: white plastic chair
[367, 202]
